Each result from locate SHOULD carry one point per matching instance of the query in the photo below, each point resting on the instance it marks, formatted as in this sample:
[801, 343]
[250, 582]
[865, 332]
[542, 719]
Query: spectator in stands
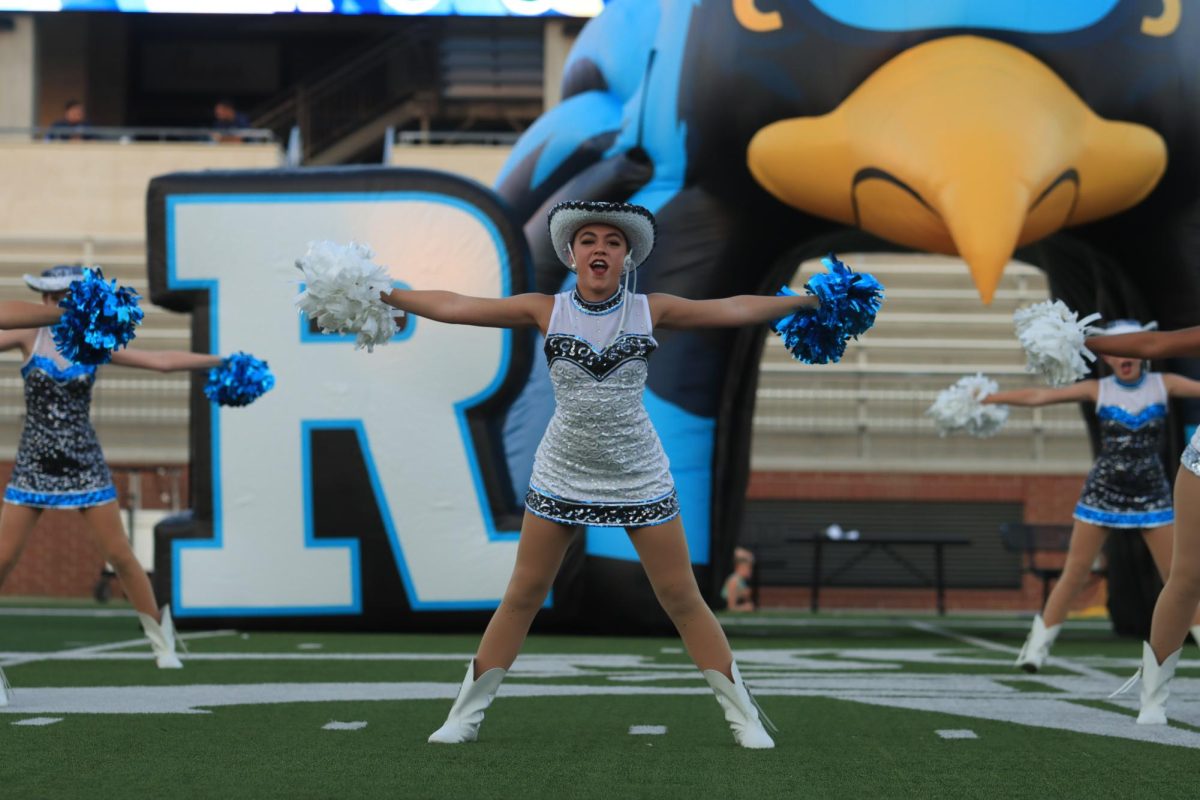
[226, 120]
[736, 591]
[73, 125]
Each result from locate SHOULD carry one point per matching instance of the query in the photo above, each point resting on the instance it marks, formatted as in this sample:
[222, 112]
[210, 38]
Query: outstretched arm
[1151, 344]
[1179, 386]
[519, 311]
[19, 314]
[669, 311]
[165, 360]
[1076, 392]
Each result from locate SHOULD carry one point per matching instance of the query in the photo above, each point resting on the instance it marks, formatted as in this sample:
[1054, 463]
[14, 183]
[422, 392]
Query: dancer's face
[1126, 369]
[599, 252]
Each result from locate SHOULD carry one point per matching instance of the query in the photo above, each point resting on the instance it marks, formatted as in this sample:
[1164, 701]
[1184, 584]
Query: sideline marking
[647, 730]
[334, 725]
[67, 612]
[962, 733]
[38, 721]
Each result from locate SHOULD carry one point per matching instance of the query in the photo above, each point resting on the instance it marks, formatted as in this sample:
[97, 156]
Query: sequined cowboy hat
[55, 279]
[1119, 326]
[635, 222]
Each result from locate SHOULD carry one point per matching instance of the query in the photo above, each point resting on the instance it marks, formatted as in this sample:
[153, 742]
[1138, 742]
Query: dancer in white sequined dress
[600, 461]
[1176, 606]
[1127, 488]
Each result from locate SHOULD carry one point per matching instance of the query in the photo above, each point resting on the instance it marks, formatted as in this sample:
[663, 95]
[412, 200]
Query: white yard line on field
[996, 647]
[13, 659]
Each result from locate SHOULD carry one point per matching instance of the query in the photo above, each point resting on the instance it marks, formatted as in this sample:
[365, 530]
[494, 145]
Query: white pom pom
[961, 408]
[342, 288]
[1053, 337]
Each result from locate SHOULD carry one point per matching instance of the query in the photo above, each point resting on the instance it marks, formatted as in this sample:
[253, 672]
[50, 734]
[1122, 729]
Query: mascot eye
[1166, 22]
[752, 19]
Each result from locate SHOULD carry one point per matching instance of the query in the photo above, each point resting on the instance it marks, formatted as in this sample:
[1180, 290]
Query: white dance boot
[466, 715]
[741, 712]
[1156, 685]
[162, 639]
[1037, 645]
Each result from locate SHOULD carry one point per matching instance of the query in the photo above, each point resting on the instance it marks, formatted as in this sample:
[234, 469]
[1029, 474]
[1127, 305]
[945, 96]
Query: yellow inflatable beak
[965, 146]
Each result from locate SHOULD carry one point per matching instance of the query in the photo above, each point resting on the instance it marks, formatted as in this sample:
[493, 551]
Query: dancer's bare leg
[1176, 606]
[664, 555]
[16, 524]
[1086, 541]
[1161, 542]
[540, 553]
[104, 524]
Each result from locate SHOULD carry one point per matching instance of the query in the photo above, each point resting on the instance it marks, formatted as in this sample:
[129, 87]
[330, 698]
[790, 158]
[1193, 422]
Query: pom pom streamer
[239, 381]
[961, 408]
[98, 318]
[849, 302]
[1053, 338]
[806, 338]
[342, 288]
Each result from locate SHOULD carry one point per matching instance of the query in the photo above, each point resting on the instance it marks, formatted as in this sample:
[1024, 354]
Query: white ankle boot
[466, 715]
[741, 712]
[1196, 633]
[1156, 685]
[1037, 645]
[162, 639]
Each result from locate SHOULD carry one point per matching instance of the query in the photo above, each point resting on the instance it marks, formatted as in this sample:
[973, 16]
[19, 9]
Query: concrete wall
[60, 189]
[18, 53]
[477, 162]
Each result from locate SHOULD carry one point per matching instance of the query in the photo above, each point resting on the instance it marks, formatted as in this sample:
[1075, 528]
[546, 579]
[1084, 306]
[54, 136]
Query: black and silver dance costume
[1128, 487]
[59, 461]
[600, 461]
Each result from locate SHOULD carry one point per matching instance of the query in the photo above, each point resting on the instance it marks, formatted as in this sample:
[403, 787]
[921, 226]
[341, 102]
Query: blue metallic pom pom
[99, 318]
[849, 300]
[806, 338]
[239, 381]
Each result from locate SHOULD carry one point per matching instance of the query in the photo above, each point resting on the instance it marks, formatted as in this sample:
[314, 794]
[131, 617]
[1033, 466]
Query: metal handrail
[315, 107]
[420, 138]
[125, 135]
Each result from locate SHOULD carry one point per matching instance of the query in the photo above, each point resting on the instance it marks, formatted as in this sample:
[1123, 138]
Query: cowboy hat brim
[635, 222]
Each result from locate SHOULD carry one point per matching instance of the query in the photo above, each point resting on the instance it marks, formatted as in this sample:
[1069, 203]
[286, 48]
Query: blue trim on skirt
[1124, 519]
[25, 497]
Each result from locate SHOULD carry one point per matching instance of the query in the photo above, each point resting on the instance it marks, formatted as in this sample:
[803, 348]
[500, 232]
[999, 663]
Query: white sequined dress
[600, 461]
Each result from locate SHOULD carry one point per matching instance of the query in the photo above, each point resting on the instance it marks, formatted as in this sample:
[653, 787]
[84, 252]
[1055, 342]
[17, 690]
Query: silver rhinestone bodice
[600, 446]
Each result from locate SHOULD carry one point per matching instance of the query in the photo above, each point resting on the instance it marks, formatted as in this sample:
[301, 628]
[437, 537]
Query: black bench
[866, 546]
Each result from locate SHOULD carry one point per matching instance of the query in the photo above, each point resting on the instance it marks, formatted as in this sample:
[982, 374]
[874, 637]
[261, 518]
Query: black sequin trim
[603, 306]
[625, 515]
[629, 347]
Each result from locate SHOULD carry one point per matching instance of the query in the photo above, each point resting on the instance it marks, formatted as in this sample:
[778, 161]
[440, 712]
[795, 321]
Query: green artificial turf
[573, 747]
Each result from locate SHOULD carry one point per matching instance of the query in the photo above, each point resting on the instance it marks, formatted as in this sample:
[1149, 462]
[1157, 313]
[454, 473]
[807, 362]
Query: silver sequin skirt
[1191, 459]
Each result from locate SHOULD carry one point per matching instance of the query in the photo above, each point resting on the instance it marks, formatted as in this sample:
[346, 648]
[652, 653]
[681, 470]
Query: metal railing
[338, 103]
[495, 138]
[129, 135]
